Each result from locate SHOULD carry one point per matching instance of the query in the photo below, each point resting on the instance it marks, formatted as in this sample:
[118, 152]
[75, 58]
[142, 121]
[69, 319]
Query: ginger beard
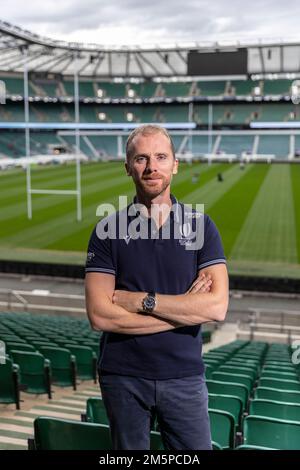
[151, 185]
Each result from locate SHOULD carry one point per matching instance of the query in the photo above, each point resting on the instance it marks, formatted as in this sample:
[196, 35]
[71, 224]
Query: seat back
[280, 384]
[9, 392]
[63, 365]
[31, 363]
[234, 369]
[275, 409]
[58, 434]
[285, 396]
[60, 358]
[229, 403]
[95, 411]
[275, 374]
[228, 388]
[274, 433]
[19, 346]
[33, 372]
[222, 428]
[85, 360]
[232, 377]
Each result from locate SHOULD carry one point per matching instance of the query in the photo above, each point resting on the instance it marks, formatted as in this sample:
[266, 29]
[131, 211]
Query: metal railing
[41, 300]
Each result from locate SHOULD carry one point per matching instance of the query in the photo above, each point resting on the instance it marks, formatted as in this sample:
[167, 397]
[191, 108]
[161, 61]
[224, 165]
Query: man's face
[152, 164]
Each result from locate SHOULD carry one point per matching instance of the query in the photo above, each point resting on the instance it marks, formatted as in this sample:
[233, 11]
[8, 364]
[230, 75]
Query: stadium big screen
[218, 63]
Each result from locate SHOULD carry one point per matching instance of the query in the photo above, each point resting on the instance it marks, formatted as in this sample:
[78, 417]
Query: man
[149, 296]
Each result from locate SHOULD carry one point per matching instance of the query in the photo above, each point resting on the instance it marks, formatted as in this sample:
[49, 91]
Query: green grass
[295, 178]
[230, 211]
[257, 211]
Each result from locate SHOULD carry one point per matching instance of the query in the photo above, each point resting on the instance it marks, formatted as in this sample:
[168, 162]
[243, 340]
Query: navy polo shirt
[165, 265]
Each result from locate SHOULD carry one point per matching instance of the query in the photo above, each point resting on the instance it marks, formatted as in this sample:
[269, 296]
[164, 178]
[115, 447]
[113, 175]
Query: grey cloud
[189, 20]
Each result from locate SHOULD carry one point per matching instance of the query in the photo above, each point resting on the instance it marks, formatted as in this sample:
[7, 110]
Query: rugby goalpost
[63, 192]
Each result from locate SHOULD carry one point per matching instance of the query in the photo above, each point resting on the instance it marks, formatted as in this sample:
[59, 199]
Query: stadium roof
[19, 47]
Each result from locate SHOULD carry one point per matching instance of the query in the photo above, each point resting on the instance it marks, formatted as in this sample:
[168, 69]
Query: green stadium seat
[249, 447]
[275, 374]
[216, 446]
[11, 338]
[280, 383]
[285, 396]
[222, 427]
[63, 365]
[239, 361]
[95, 411]
[213, 362]
[233, 377]
[248, 357]
[9, 383]
[215, 355]
[273, 433]
[58, 434]
[86, 361]
[94, 345]
[42, 344]
[233, 369]
[35, 372]
[19, 347]
[208, 371]
[228, 388]
[275, 409]
[283, 364]
[229, 403]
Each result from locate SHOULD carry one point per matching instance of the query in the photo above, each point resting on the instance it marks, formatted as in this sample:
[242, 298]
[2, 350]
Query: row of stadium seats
[222, 114]
[243, 368]
[256, 388]
[254, 397]
[226, 88]
[66, 351]
[12, 144]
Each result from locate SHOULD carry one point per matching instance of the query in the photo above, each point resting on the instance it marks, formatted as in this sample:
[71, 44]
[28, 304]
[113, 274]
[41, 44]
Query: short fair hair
[146, 129]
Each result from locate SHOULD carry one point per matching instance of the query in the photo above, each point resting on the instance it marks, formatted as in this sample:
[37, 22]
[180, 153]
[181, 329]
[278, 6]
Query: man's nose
[151, 165]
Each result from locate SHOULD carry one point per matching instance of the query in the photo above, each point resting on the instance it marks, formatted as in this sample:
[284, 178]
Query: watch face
[150, 302]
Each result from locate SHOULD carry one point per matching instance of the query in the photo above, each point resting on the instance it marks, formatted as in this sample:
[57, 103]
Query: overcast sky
[130, 22]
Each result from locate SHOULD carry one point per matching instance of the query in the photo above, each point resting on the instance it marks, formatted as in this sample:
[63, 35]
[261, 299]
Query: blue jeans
[180, 406]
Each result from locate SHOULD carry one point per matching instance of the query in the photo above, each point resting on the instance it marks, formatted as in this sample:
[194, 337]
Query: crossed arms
[119, 311]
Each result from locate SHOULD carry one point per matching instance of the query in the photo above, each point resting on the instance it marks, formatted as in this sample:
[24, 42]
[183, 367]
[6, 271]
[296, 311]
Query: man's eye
[140, 159]
[162, 157]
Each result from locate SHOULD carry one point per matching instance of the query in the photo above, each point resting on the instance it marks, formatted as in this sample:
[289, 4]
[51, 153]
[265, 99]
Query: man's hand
[132, 301]
[201, 284]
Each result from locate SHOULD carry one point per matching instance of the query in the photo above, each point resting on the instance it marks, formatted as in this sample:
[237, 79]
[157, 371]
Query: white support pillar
[77, 141]
[191, 119]
[255, 145]
[27, 136]
[291, 154]
[210, 127]
[120, 146]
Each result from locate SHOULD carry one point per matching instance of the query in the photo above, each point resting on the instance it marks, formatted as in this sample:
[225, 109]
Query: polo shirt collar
[175, 204]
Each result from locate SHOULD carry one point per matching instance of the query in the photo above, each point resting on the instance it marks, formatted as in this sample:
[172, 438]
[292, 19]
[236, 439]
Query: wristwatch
[149, 302]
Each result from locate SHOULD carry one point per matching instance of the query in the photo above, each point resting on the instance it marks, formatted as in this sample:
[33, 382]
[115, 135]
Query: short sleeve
[212, 250]
[99, 257]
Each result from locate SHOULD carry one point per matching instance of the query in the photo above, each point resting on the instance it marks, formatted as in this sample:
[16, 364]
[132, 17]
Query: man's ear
[175, 167]
[128, 170]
